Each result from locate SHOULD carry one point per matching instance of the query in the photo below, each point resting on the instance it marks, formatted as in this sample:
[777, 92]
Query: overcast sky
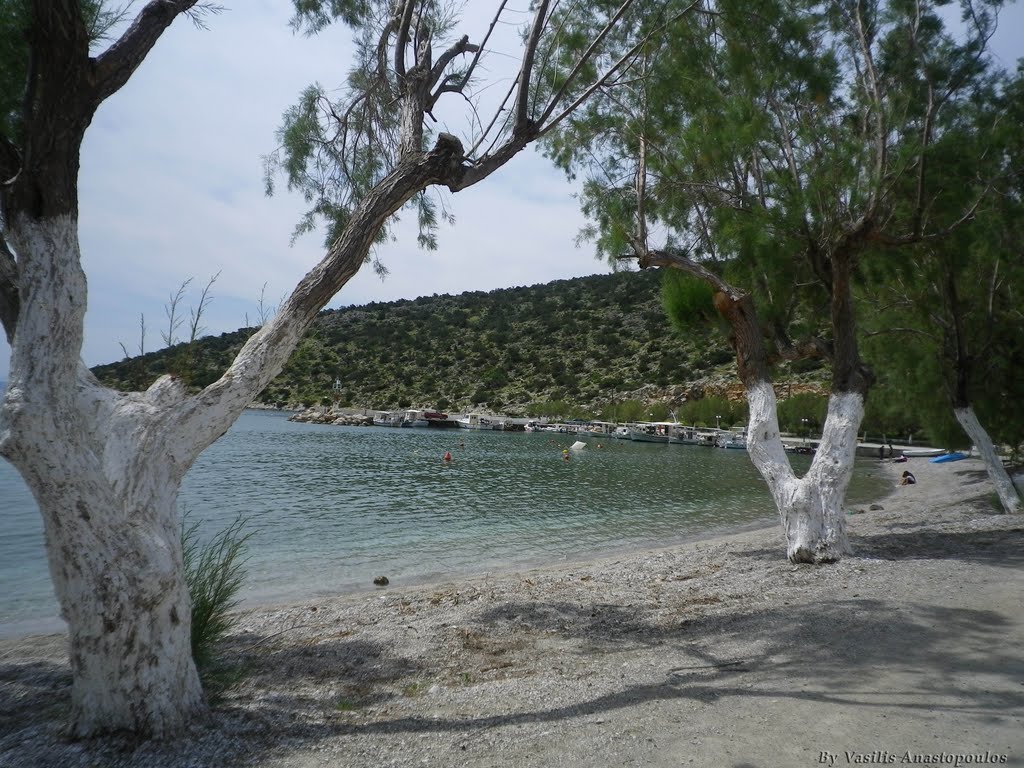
[171, 187]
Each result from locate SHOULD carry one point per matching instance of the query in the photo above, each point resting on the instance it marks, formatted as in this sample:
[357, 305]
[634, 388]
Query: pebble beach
[714, 652]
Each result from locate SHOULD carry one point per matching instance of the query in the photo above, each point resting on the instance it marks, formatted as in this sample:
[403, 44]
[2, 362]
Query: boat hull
[955, 456]
[923, 453]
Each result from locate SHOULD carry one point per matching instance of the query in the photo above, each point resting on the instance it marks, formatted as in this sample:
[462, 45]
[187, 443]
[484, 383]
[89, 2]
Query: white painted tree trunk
[811, 508]
[105, 472]
[1008, 496]
[114, 547]
[105, 467]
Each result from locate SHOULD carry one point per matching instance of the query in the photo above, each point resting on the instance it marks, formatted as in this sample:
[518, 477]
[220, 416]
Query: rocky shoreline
[717, 652]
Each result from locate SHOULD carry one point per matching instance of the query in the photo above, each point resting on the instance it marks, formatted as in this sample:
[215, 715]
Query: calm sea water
[333, 507]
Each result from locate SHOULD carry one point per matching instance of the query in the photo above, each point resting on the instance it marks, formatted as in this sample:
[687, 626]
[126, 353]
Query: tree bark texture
[1008, 495]
[811, 508]
[106, 482]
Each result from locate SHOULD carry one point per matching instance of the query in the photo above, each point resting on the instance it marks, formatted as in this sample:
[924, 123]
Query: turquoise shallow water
[333, 507]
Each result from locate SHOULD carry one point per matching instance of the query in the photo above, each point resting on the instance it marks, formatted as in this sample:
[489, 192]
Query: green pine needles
[214, 572]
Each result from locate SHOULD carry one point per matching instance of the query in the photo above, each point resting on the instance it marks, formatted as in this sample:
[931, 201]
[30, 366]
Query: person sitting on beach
[908, 478]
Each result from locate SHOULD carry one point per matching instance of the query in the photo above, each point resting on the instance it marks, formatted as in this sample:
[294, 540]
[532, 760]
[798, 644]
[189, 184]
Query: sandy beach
[714, 653]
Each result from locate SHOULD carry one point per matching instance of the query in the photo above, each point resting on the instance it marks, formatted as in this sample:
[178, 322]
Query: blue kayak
[955, 456]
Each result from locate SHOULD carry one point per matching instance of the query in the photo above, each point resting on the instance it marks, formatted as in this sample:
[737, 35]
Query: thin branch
[174, 321]
[463, 46]
[196, 313]
[523, 97]
[403, 38]
[483, 43]
[549, 125]
[901, 330]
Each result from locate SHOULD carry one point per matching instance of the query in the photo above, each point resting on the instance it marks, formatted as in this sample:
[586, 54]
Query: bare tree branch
[196, 313]
[478, 50]
[174, 320]
[115, 65]
[403, 23]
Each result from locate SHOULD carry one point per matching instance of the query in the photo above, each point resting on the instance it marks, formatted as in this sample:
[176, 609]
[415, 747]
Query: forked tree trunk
[105, 472]
[1008, 496]
[811, 508]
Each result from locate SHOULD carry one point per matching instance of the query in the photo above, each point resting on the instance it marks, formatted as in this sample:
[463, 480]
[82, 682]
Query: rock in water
[381, 581]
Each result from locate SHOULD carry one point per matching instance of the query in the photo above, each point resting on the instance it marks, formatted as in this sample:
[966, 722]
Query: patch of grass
[345, 705]
[214, 573]
[414, 689]
[219, 677]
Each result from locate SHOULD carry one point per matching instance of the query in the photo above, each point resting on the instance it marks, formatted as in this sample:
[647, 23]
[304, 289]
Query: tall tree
[961, 304]
[777, 148]
[105, 467]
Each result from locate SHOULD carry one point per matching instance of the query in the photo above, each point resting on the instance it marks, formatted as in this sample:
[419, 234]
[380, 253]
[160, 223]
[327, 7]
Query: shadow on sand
[959, 660]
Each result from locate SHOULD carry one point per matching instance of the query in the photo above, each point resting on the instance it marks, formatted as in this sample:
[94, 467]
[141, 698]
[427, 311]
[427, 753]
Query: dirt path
[717, 653]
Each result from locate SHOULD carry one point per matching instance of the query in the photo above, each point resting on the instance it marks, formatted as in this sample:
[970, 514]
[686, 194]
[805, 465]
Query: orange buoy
[447, 455]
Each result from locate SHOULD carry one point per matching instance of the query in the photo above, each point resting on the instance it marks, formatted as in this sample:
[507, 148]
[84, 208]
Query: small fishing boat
[653, 432]
[683, 435]
[708, 437]
[923, 453]
[735, 440]
[475, 421]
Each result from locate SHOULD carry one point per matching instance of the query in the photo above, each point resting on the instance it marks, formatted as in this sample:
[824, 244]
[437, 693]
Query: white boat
[922, 453]
[601, 429]
[652, 432]
[683, 435]
[389, 419]
[736, 440]
[421, 418]
[708, 437]
[477, 421]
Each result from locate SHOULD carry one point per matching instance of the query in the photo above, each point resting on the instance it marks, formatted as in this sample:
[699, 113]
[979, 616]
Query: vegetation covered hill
[575, 346]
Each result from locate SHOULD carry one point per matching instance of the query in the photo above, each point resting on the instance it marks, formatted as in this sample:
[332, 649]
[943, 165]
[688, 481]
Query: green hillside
[571, 345]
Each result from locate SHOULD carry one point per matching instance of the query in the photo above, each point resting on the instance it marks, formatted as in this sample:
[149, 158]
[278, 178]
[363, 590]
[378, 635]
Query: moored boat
[652, 432]
[923, 453]
[682, 434]
[476, 421]
[389, 419]
[955, 456]
[734, 440]
[602, 429]
[708, 437]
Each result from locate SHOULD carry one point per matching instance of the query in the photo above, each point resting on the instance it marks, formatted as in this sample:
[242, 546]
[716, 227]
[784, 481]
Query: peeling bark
[1008, 496]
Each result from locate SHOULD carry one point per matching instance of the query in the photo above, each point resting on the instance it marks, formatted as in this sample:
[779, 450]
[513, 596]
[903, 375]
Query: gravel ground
[713, 653]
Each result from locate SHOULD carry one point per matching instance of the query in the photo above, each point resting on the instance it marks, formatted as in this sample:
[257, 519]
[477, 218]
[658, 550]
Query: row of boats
[666, 432]
[439, 420]
[648, 432]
